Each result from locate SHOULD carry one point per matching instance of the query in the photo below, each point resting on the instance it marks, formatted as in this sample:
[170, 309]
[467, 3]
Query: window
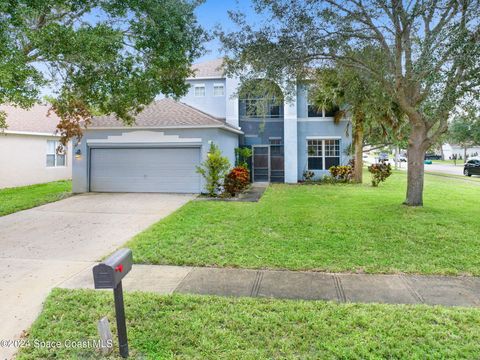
[332, 111]
[199, 90]
[315, 154]
[314, 111]
[259, 108]
[55, 154]
[218, 90]
[323, 154]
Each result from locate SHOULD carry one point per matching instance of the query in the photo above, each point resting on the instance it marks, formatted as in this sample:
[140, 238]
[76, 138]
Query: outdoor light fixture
[78, 154]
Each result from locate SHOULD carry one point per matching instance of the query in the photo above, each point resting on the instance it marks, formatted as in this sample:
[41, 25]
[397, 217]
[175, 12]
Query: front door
[261, 163]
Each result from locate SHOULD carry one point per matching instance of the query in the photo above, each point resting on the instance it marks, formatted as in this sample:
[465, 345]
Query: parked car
[433, 157]
[383, 157]
[471, 167]
[402, 158]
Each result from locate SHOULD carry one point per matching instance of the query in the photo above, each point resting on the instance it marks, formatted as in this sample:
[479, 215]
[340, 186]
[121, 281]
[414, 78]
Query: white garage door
[145, 170]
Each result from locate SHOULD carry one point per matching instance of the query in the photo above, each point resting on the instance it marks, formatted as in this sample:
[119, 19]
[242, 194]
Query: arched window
[260, 99]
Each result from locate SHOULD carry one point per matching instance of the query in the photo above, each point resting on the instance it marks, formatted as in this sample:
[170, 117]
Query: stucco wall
[226, 140]
[213, 105]
[321, 128]
[23, 161]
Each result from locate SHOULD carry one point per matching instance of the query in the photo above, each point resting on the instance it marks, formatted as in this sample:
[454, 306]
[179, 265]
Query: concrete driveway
[45, 246]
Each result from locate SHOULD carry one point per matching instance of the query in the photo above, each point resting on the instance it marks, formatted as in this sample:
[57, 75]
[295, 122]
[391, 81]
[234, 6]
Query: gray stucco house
[161, 151]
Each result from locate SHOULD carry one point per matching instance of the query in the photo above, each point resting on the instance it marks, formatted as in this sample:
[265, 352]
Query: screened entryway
[268, 163]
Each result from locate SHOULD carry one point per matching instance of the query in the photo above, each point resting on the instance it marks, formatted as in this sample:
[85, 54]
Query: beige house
[28, 148]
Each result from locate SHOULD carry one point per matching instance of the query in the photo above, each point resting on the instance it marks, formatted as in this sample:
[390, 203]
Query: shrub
[213, 169]
[308, 175]
[242, 156]
[342, 173]
[236, 180]
[380, 172]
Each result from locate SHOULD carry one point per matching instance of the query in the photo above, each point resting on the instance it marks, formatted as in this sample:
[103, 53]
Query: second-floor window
[218, 90]
[260, 108]
[199, 90]
[314, 111]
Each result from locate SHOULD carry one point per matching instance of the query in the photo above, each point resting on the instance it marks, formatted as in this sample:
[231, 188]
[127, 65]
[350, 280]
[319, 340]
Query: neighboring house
[451, 149]
[28, 148]
[161, 151]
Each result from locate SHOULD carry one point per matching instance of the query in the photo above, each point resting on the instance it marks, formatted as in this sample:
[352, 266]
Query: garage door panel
[145, 170]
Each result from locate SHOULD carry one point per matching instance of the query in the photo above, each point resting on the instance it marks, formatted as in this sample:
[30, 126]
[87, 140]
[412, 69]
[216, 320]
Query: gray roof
[165, 113]
[33, 120]
[209, 69]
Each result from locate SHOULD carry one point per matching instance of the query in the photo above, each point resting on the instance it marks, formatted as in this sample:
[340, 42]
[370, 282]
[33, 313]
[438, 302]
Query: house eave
[29, 133]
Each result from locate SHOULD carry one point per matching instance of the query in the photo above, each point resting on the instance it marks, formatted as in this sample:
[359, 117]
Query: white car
[402, 158]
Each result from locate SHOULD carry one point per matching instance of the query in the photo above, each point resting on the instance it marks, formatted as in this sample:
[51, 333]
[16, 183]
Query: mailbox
[108, 274]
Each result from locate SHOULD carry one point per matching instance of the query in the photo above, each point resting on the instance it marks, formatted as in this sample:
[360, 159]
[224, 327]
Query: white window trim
[219, 85]
[199, 86]
[57, 143]
[323, 138]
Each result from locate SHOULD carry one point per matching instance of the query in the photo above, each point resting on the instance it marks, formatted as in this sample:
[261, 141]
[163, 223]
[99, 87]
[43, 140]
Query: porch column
[290, 140]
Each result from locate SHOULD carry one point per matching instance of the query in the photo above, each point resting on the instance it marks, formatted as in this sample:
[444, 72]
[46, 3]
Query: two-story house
[170, 138]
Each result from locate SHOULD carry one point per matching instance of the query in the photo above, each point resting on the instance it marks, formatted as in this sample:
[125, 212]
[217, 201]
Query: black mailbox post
[109, 275]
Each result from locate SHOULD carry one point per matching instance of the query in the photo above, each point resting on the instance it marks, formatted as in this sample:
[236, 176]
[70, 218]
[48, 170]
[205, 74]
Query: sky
[215, 12]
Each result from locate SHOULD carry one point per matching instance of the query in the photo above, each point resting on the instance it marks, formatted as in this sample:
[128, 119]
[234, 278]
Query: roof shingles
[33, 120]
[164, 113]
[209, 69]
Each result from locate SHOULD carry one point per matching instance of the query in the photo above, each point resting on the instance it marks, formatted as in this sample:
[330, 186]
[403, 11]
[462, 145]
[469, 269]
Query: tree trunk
[465, 148]
[417, 146]
[358, 143]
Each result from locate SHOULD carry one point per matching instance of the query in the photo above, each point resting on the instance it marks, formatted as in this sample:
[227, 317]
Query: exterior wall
[23, 161]
[226, 140]
[449, 150]
[213, 105]
[323, 128]
[258, 131]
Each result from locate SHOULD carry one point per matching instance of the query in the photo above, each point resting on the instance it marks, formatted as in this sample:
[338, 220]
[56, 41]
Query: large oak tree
[428, 59]
[95, 56]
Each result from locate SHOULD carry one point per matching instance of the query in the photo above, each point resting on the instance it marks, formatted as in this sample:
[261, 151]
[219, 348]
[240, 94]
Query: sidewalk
[390, 289]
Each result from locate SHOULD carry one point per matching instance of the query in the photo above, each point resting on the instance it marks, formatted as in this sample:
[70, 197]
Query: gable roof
[209, 69]
[34, 120]
[165, 113]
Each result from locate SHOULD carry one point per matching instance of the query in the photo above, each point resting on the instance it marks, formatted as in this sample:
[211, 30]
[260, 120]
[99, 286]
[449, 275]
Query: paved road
[45, 246]
[447, 169]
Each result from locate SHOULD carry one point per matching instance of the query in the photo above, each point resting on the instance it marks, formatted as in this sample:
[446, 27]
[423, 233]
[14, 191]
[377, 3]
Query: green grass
[26, 197]
[198, 327]
[326, 228]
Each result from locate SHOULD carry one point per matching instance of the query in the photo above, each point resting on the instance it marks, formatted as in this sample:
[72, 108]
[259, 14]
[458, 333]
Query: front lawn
[327, 228]
[26, 197]
[207, 327]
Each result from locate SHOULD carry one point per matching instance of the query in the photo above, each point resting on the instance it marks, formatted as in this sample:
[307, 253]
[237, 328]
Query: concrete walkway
[42, 247]
[390, 289]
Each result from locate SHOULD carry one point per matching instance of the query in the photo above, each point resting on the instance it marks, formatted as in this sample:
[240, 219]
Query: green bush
[213, 170]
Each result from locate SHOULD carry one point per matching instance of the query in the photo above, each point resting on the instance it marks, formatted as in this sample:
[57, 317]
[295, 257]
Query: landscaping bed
[26, 197]
[207, 327]
[341, 227]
